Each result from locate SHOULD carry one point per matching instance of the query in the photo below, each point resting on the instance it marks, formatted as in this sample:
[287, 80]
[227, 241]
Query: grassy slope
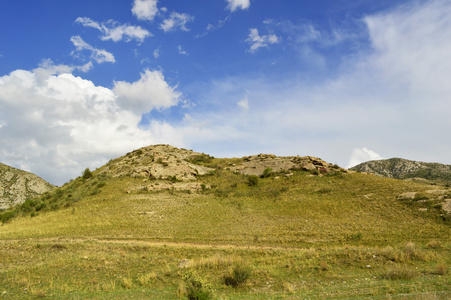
[333, 236]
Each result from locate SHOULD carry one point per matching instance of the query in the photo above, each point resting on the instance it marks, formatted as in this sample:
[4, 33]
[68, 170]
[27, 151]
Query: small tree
[87, 174]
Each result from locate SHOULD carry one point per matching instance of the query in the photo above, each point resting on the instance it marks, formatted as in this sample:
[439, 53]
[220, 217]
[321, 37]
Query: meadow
[293, 235]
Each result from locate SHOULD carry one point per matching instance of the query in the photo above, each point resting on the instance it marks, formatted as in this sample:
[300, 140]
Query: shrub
[101, 184]
[87, 174]
[197, 288]
[252, 180]
[28, 206]
[239, 275]
[7, 216]
[266, 173]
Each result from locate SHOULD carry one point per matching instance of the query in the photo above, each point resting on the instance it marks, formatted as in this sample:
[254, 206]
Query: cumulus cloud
[151, 91]
[238, 4]
[361, 155]
[256, 41]
[145, 9]
[114, 31]
[176, 21]
[99, 55]
[55, 125]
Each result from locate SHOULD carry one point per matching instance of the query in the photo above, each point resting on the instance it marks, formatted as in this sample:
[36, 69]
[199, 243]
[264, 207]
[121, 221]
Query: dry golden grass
[343, 236]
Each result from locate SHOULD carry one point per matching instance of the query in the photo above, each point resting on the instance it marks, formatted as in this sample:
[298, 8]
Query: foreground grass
[109, 270]
[302, 236]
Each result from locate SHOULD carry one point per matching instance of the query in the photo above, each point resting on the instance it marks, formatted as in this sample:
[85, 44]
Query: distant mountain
[16, 186]
[403, 169]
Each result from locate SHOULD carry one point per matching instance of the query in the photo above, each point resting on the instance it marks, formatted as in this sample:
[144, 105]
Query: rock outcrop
[16, 186]
[157, 162]
[399, 168]
[257, 164]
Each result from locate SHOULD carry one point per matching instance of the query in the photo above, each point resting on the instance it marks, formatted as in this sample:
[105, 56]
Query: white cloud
[392, 96]
[156, 53]
[99, 55]
[86, 67]
[145, 9]
[176, 20]
[244, 104]
[235, 4]
[112, 30]
[181, 51]
[256, 41]
[361, 155]
[55, 125]
[151, 91]
[87, 22]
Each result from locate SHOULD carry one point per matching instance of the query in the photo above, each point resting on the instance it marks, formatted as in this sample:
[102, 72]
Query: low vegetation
[291, 235]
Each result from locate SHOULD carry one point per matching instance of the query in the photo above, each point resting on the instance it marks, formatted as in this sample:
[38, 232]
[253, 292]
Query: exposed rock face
[157, 162]
[402, 169]
[256, 164]
[164, 167]
[16, 186]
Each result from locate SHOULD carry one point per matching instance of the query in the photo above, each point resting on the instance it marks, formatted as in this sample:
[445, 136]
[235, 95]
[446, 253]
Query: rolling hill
[166, 223]
[16, 186]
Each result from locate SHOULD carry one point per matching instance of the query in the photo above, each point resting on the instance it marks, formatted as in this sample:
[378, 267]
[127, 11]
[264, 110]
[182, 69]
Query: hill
[166, 223]
[404, 169]
[16, 186]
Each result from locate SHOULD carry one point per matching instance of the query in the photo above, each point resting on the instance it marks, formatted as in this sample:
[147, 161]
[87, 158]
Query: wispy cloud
[257, 41]
[99, 55]
[181, 51]
[392, 97]
[211, 27]
[176, 21]
[112, 30]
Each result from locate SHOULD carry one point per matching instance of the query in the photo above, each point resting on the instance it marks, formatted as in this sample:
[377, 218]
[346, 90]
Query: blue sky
[82, 82]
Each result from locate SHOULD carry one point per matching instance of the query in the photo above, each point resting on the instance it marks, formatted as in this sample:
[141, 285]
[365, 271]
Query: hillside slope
[403, 169]
[297, 227]
[16, 186]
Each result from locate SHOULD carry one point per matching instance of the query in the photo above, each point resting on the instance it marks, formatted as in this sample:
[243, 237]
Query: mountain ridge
[400, 168]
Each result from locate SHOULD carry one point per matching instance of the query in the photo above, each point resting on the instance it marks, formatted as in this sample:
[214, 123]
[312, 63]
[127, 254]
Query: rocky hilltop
[166, 167]
[16, 186]
[404, 169]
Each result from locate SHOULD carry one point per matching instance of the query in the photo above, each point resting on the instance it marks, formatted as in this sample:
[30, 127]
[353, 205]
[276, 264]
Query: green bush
[238, 277]
[266, 173]
[7, 215]
[197, 288]
[87, 174]
[28, 206]
[101, 184]
[252, 180]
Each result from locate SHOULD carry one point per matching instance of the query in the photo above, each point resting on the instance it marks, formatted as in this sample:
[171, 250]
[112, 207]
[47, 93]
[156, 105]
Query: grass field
[342, 236]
